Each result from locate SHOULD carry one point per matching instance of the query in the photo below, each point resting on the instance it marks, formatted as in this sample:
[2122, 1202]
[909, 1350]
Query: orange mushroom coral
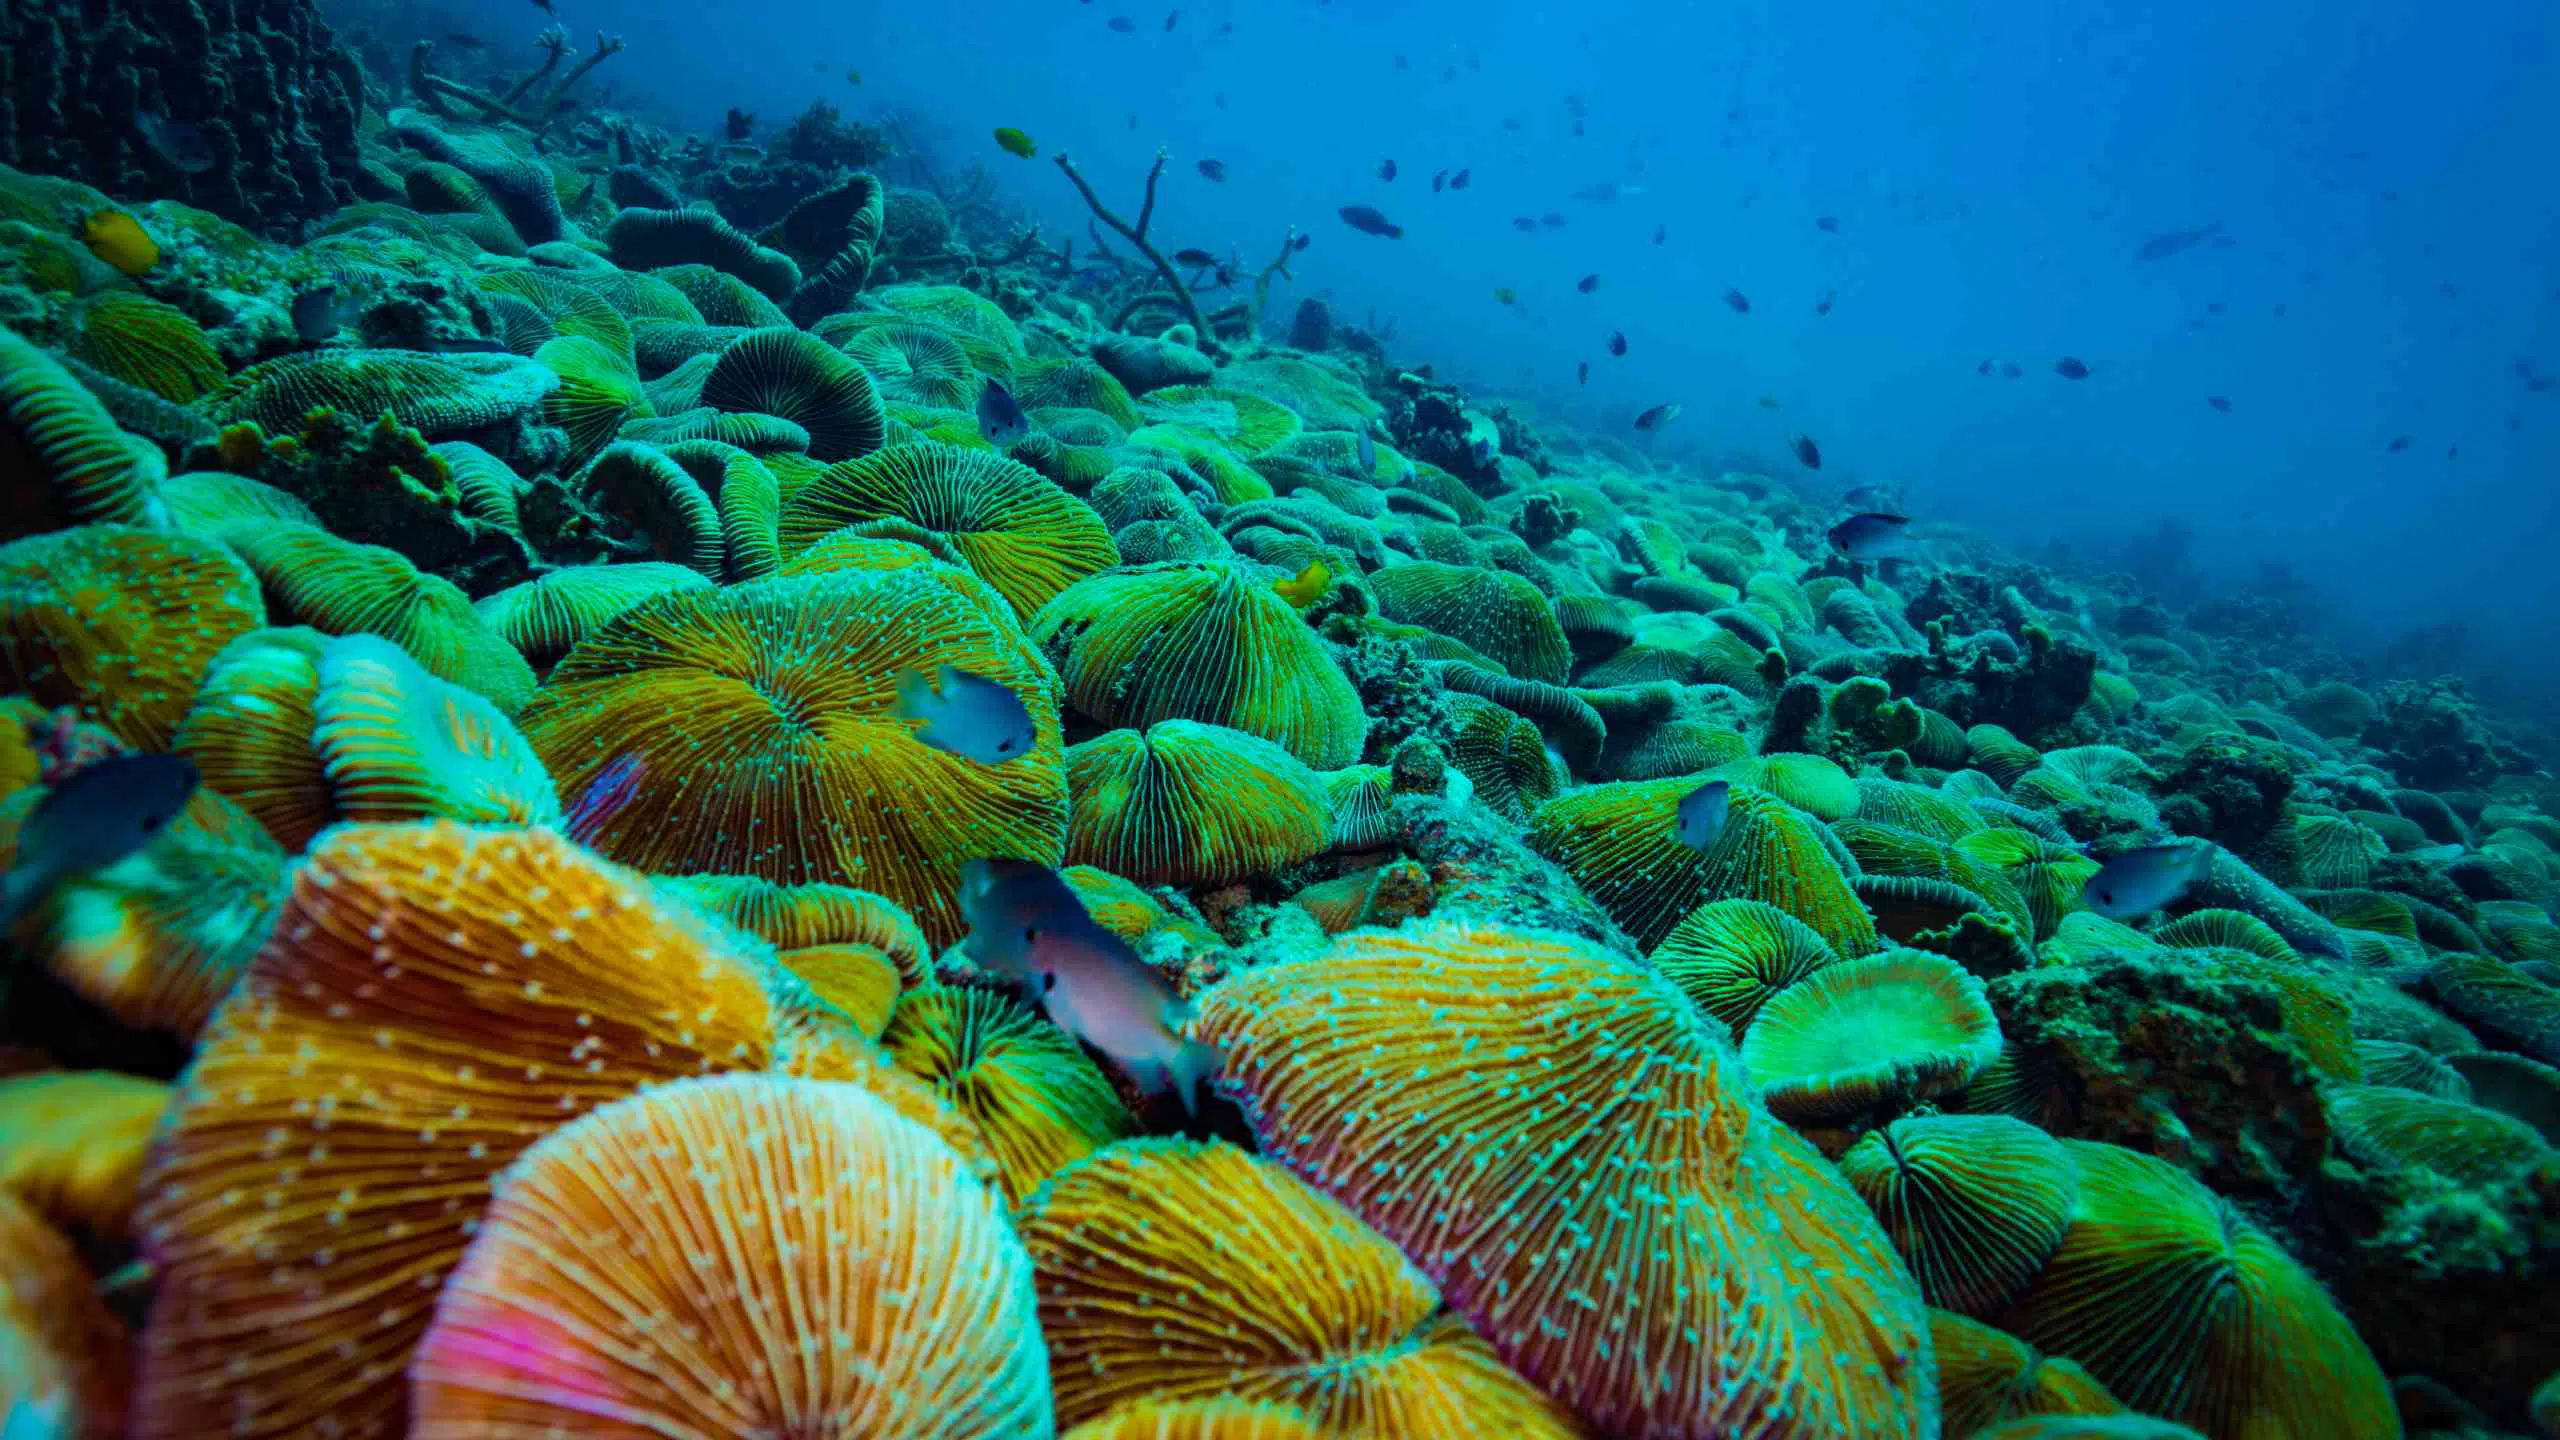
[743, 1255]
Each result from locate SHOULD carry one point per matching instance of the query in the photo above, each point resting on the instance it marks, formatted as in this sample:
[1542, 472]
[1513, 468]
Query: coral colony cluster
[555, 1011]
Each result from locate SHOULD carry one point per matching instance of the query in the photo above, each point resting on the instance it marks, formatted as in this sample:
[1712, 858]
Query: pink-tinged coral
[1544, 1126]
[742, 1255]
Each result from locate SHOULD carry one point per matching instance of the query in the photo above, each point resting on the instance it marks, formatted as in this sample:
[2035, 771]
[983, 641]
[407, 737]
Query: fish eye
[1030, 934]
[1048, 981]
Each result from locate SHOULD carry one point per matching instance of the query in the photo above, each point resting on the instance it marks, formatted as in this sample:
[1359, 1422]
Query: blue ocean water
[2381, 263]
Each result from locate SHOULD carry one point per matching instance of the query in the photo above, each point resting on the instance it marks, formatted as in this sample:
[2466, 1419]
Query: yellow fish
[119, 239]
[1307, 586]
[1014, 142]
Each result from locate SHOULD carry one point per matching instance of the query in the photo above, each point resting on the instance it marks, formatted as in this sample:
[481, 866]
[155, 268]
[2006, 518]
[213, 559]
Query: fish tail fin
[1190, 1065]
[20, 888]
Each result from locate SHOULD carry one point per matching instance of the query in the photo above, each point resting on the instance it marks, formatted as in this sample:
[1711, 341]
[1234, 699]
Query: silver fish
[2154, 877]
[1026, 925]
[1872, 536]
[1000, 417]
[1702, 815]
[317, 314]
[966, 715]
[1368, 454]
[185, 147]
[95, 816]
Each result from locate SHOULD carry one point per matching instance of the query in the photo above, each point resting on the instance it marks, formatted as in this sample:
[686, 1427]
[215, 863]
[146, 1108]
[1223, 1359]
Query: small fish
[1701, 815]
[853, 77]
[1660, 232]
[1013, 142]
[1606, 192]
[1302, 242]
[1587, 284]
[1505, 294]
[1171, 16]
[1823, 305]
[2009, 370]
[1439, 182]
[182, 145]
[1122, 24]
[90, 819]
[971, 716]
[1401, 62]
[317, 314]
[1524, 223]
[2154, 877]
[1459, 180]
[1387, 169]
[1368, 220]
[1026, 925]
[1827, 224]
[1368, 452]
[1808, 454]
[2162, 246]
[1195, 257]
[546, 7]
[1307, 586]
[1617, 342]
[607, 795]
[1552, 220]
[1658, 416]
[739, 124]
[460, 41]
[1582, 373]
[1871, 536]
[1982, 369]
[2219, 402]
[1133, 120]
[1000, 417]
[1219, 100]
[2398, 444]
[1771, 402]
[2071, 367]
[1737, 302]
[1212, 170]
[2436, 854]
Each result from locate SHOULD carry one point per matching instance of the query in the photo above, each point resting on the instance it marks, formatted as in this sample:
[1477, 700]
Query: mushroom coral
[1175, 1270]
[2184, 1308]
[121, 622]
[249, 732]
[342, 588]
[1219, 1419]
[1028, 1086]
[399, 744]
[72, 1144]
[739, 1255]
[1543, 1125]
[762, 720]
[1188, 804]
[1730, 956]
[1986, 1377]
[65, 1360]
[1869, 1035]
[436, 999]
[69, 461]
[1975, 1203]
[1492, 612]
[1200, 642]
[1621, 843]
[546, 616]
[1017, 531]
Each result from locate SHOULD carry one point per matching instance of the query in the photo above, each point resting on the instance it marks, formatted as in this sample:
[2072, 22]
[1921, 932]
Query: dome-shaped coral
[72, 1144]
[745, 1255]
[785, 759]
[2183, 1308]
[1187, 804]
[72, 464]
[342, 588]
[1220, 1419]
[1975, 1203]
[800, 378]
[1986, 1377]
[1020, 533]
[1492, 612]
[66, 1363]
[1621, 843]
[396, 743]
[1874, 1033]
[249, 732]
[1026, 1084]
[445, 994]
[1169, 1269]
[917, 364]
[122, 622]
[1540, 1125]
[548, 614]
[1201, 642]
[1730, 956]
